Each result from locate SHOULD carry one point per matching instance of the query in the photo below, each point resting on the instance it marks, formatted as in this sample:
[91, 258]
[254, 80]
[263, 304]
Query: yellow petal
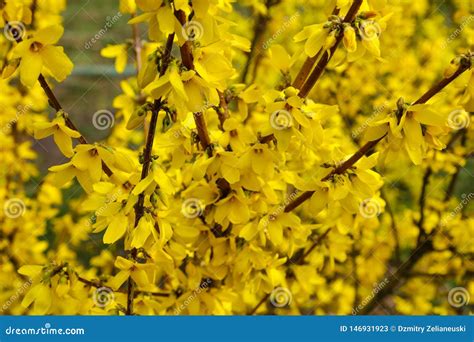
[230, 173]
[116, 229]
[43, 129]
[280, 58]
[123, 264]
[57, 62]
[315, 42]
[140, 277]
[31, 271]
[64, 142]
[43, 300]
[275, 233]
[140, 187]
[49, 35]
[177, 84]
[372, 45]
[166, 19]
[30, 68]
[117, 281]
[141, 233]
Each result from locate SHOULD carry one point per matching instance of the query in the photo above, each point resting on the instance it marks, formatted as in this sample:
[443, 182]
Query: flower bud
[349, 40]
[452, 67]
[330, 40]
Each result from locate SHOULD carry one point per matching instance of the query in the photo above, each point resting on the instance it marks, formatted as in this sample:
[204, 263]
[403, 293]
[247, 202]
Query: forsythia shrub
[269, 157]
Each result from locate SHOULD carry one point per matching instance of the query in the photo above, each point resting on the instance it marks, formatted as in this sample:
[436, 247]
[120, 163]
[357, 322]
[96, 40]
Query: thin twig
[54, 103]
[337, 171]
[187, 59]
[422, 202]
[368, 146]
[140, 205]
[327, 55]
[394, 228]
[222, 110]
[298, 261]
[260, 26]
[452, 183]
[308, 64]
[424, 245]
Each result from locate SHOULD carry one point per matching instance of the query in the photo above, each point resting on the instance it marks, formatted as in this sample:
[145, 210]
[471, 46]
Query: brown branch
[400, 274]
[188, 62]
[442, 84]
[326, 56]
[364, 149]
[313, 246]
[263, 300]
[394, 229]
[98, 284]
[222, 110]
[308, 64]
[91, 283]
[185, 49]
[140, 205]
[267, 138]
[34, 8]
[424, 245]
[298, 261]
[454, 178]
[202, 131]
[337, 171]
[260, 27]
[54, 103]
[305, 70]
[422, 202]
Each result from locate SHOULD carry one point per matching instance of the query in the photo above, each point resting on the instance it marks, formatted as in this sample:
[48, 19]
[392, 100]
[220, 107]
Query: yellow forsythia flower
[38, 53]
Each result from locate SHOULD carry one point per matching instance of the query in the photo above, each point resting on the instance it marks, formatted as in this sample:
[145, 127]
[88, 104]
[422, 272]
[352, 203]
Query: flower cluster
[248, 177]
